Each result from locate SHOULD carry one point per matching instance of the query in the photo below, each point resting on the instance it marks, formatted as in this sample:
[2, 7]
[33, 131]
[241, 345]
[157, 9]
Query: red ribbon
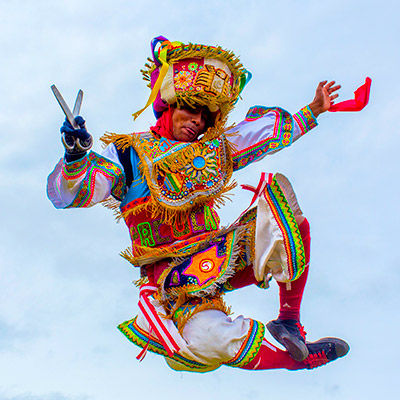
[361, 97]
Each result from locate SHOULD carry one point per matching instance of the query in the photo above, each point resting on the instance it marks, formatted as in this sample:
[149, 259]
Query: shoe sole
[290, 195]
[296, 348]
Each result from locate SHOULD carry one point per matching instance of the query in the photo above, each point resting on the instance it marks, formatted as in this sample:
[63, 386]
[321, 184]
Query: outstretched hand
[324, 97]
[76, 141]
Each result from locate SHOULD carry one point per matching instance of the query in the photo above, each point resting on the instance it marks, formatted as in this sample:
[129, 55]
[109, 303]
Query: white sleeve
[266, 131]
[87, 181]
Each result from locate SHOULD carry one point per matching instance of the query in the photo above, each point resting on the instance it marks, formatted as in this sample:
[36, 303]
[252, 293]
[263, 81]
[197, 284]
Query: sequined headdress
[193, 75]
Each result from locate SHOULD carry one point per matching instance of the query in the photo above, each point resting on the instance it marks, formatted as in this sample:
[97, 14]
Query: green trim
[250, 346]
[140, 338]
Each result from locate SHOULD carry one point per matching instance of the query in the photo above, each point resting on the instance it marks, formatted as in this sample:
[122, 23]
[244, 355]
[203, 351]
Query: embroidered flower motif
[193, 66]
[183, 80]
[203, 167]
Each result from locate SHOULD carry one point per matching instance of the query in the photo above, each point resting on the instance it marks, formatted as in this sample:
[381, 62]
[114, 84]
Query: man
[169, 182]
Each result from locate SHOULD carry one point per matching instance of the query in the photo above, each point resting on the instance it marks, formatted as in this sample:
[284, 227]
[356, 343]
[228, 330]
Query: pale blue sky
[63, 286]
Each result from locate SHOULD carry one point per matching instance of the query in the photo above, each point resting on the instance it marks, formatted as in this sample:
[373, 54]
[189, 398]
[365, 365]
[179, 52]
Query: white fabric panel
[110, 152]
[214, 337]
[249, 133]
[209, 337]
[270, 252]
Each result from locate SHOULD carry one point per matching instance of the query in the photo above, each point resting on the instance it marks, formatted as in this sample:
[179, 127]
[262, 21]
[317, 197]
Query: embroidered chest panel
[184, 174]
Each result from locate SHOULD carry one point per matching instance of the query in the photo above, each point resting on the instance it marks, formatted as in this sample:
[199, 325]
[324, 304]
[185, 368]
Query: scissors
[87, 144]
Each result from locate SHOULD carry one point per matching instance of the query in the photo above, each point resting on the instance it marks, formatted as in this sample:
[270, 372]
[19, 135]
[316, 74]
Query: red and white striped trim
[266, 179]
[156, 323]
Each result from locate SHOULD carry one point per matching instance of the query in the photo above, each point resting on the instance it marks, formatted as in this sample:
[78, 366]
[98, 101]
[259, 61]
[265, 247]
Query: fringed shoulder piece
[184, 176]
[121, 141]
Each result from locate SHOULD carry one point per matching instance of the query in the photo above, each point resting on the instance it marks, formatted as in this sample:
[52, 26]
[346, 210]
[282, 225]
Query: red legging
[270, 357]
[290, 295]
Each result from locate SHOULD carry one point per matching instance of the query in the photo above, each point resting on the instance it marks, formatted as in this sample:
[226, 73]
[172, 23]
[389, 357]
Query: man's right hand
[75, 141]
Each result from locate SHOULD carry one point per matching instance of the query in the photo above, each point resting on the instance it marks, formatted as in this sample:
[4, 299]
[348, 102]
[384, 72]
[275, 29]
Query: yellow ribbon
[162, 57]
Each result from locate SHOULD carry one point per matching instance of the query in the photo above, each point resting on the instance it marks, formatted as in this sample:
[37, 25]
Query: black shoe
[324, 351]
[290, 334]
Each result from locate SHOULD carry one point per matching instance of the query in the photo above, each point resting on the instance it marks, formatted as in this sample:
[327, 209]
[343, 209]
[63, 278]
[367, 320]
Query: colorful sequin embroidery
[93, 165]
[291, 235]
[182, 174]
[250, 346]
[75, 169]
[305, 119]
[201, 272]
[152, 232]
[193, 74]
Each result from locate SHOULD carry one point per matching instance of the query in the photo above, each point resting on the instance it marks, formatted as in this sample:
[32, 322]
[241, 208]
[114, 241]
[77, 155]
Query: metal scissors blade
[64, 106]
[78, 103]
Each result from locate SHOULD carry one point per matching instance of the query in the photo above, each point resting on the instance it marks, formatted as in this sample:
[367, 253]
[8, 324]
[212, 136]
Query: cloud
[50, 396]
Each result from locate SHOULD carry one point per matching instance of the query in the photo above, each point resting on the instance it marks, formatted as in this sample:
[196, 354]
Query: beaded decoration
[292, 240]
[201, 273]
[305, 119]
[92, 165]
[181, 176]
[193, 75]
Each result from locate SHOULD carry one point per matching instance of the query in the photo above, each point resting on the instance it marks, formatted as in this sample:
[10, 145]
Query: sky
[63, 286]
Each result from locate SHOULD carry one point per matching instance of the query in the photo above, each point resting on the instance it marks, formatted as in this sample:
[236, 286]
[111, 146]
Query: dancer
[167, 184]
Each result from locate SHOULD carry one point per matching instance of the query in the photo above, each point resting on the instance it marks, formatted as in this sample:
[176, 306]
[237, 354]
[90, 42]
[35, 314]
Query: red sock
[270, 357]
[290, 295]
[243, 278]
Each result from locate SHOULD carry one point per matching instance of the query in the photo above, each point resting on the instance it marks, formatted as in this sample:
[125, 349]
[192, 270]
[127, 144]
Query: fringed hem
[197, 51]
[181, 317]
[234, 249]
[143, 255]
[114, 205]
[144, 280]
[121, 141]
[225, 103]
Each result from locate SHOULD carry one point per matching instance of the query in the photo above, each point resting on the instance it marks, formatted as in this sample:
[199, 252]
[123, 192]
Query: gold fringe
[141, 281]
[215, 303]
[148, 255]
[145, 255]
[224, 103]
[199, 51]
[168, 213]
[112, 204]
[172, 306]
[121, 141]
[174, 162]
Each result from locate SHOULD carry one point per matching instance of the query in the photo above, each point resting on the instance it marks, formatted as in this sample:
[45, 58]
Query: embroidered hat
[193, 75]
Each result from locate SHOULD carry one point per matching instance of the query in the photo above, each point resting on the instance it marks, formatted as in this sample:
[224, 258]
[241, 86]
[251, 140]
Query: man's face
[188, 123]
